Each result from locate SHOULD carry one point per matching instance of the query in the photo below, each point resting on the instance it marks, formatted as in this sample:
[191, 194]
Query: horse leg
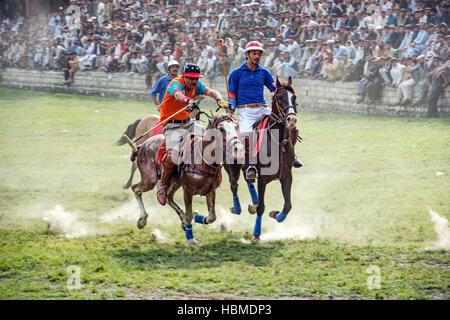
[210, 202]
[259, 210]
[254, 195]
[130, 179]
[138, 190]
[188, 218]
[233, 175]
[170, 194]
[286, 185]
[149, 178]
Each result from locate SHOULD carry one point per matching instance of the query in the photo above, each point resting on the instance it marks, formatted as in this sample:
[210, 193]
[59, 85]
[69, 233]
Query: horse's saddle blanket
[260, 127]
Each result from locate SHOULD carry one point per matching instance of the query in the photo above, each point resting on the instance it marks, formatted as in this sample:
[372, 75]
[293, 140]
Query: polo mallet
[218, 27]
[132, 143]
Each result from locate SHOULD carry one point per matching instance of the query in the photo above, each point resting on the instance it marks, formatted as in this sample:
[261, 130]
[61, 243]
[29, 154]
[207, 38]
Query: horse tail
[130, 132]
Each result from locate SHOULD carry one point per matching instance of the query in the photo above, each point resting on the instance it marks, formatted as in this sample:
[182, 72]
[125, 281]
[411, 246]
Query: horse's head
[228, 129]
[284, 104]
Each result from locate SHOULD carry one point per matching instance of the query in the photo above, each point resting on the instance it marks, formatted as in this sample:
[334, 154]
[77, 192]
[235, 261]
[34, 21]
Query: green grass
[361, 199]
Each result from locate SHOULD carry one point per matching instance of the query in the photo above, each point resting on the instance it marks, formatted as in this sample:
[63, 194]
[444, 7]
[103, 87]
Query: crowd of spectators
[398, 43]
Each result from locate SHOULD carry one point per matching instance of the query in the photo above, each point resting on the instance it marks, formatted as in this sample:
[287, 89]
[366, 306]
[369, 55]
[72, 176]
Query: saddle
[187, 156]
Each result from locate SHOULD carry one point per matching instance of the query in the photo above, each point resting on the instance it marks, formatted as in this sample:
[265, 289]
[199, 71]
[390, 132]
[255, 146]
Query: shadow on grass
[203, 256]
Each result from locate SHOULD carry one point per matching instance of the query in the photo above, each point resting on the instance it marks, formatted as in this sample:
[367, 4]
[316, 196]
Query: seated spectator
[140, 63]
[345, 67]
[397, 71]
[332, 69]
[385, 71]
[74, 66]
[406, 86]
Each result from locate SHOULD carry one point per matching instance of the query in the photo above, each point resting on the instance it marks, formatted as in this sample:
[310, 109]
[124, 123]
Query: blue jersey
[160, 87]
[247, 86]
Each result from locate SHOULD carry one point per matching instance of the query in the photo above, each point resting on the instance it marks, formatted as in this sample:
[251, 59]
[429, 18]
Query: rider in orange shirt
[179, 95]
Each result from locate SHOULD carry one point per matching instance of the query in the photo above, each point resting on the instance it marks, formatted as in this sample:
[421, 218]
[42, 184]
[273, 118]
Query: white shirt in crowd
[397, 73]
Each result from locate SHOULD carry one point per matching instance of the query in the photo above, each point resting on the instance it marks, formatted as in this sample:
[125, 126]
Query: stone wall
[314, 95]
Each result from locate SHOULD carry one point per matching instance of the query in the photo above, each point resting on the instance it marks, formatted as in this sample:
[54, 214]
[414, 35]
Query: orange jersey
[170, 105]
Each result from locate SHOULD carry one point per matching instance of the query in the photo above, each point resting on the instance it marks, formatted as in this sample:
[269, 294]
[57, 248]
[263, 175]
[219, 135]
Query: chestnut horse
[196, 178]
[277, 136]
[136, 129]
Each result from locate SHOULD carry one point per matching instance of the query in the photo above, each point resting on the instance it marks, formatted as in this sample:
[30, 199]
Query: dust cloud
[442, 230]
[65, 222]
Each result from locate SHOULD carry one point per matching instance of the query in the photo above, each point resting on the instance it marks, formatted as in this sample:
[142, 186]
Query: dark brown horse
[200, 177]
[136, 129]
[275, 157]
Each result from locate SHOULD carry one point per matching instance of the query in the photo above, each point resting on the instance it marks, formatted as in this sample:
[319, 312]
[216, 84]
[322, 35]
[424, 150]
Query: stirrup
[249, 175]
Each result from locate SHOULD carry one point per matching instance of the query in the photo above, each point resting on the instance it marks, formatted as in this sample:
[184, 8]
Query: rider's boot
[297, 163]
[169, 162]
[249, 170]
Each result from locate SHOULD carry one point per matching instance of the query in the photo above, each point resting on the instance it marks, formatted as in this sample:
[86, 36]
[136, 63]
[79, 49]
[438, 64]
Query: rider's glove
[191, 106]
[222, 103]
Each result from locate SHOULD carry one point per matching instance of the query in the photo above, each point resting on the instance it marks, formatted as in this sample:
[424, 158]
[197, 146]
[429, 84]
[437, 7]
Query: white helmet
[254, 45]
[173, 63]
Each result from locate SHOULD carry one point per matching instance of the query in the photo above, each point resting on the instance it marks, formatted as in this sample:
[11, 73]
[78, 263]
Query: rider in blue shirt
[246, 91]
[160, 87]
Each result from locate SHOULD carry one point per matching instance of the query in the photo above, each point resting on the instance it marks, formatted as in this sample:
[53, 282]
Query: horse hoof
[252, 208]
[256, 239]
[126, 186]
[234, 212]
[273, 214]
[142, 222]
[191, 242]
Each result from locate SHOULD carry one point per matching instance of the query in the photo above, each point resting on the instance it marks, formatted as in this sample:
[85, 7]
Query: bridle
[281, 115]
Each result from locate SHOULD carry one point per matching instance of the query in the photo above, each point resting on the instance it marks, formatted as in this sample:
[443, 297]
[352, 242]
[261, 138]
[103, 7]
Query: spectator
[332, 69]
[161, 85]
[112, 33]
[419, 73]
[397, 71]
[439, 79]
[406, 86]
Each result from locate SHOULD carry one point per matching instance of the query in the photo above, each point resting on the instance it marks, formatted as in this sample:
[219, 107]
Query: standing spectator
[159, 90]
[439, 80]
[419, 73]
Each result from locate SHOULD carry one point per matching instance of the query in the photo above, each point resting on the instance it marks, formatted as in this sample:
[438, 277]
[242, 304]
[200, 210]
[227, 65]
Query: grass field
[371, 202]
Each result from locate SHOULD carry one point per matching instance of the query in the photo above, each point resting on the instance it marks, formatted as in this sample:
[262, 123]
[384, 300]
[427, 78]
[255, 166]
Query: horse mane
[288, 86]
[216, 119]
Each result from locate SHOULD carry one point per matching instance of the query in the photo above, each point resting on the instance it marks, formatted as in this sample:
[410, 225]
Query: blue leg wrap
[189, 232]
[281, 216]
[200, 219]
[257, 231]
[253, 193]
[236, 205]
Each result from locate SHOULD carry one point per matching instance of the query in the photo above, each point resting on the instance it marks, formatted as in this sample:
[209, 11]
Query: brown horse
[200, 177]
[278, 139]
[136, 129]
